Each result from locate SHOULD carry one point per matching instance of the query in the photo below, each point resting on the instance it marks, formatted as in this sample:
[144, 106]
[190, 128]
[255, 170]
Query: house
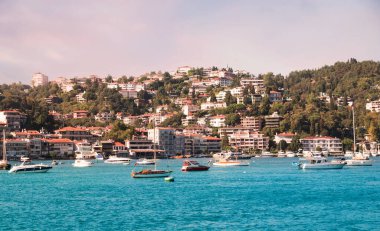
[60, 148]
[251, 121]
[189, 120]
[74, 133]
[217, 121]
[212, 105]
[129, 94]
[237, 129]
[80, 114]
[189, 109]
[80, 98]
[13, 119]
[273, 121]
[286, 136]
[373, 106]
[27, 134]
[104, 116]
[275, 96]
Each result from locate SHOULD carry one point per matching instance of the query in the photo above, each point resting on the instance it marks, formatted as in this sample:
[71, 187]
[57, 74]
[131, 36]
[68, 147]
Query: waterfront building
[74, 133]
[237, 129]
[13, 119]
[249, 141]
[326, 143]
[60, 148]
[286, 136]
[39, 79]
[252, 122]
[164, 138]
[26, 134]
[15, 148]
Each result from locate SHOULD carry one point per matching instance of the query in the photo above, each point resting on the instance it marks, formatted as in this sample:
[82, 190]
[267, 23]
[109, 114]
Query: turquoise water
[271, 194]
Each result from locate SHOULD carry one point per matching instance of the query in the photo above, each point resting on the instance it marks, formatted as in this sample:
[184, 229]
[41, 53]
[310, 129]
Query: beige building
[251, 121]
[273, 121]
[326, 143]
[246, 141]
[39, 79]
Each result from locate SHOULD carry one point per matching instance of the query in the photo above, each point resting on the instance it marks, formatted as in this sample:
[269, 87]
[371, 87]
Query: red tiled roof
[118, 144]
[211, 138]
[70, 129]
[319, 138]
[59, 141]
[286, 134]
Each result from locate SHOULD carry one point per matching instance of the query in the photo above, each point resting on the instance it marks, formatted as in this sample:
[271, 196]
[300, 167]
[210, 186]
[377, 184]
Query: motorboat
[268, 154]
[54, 162]
[192, 165]
[114, 159]
[99, 156]
[25, 159]
[290, 154]
[281, 154]
[148, 173]
[230, 163]
[82, 163]
[85, 151]
[359, 160]
[319, 163]
[28, 167]
[339, 160]
[145, 162]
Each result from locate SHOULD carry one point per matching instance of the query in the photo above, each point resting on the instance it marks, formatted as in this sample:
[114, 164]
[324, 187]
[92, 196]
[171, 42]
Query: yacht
[227, 161]
[114, 159]
[319, 163]
[230, 154]
[85, 151]
[81, 163]
[192, 165]
[145, 162]
[290, 154]
[28, 167]
[99, 156]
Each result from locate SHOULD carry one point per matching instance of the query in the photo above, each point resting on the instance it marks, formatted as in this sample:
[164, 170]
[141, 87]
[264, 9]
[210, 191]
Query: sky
[84, 37]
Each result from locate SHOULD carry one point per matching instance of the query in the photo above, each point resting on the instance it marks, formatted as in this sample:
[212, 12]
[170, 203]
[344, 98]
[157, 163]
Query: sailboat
[358, 159]
[151, 173]
[4, 165]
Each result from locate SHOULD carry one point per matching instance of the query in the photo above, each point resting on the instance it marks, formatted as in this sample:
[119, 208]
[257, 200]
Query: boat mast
[4, 148]
[353, 126]
[154, 144]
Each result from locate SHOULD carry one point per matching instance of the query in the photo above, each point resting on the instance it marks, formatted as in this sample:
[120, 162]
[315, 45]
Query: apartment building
[13, 119]
[247, 141]
[39, 79]
[326, 143]
[252, 122]
[273, 121]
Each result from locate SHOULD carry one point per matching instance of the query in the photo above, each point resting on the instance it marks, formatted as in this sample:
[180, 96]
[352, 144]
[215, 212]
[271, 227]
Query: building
[188, 120]
[13, 119]
[74, 133]
[27, 134]
[104, 116]
[252, 122]
[129, 94]
[15, 148]
[189, 109]
[80, 98]
[164, 138]
[373, 106]
[212, 105]
[221, 96]
[217, 121]
[80, 114]
[60, 148]
[273, 121]
[286, 136]
[184, 69]
[39, 79]
[275, 96]
[238, 129]
[249, 141]
[325, 143]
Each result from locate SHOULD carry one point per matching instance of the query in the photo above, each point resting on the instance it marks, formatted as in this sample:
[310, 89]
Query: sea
[270, 194]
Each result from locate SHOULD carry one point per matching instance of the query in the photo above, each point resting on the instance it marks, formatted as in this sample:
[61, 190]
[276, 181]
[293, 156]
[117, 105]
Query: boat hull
[322, 166]
[191, 169]
[359, 162]
[151, 174]
[34, 169]
[230, 164]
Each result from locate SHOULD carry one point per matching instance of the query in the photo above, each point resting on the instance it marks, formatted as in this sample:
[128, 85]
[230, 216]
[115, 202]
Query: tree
[264, 106]
[283, 145]
[229, 99]
[232, 119]
[225, 142]
[295, 144]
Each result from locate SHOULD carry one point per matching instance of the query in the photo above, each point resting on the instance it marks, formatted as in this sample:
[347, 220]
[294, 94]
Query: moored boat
[145, 161]
[268, 154]
[28, 167]
[290, 154]
[319, 163]
[151, 173]
[25, 159]
[114, 159]
[359, 160]
[82, 163]
[192, 165]
[281, 154]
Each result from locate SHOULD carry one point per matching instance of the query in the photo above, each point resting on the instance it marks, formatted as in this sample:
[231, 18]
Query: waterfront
[271, 194]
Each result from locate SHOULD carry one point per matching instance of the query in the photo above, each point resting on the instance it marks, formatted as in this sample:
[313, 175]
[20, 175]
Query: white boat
[28, 167]
[99, 156]
[281, 154]
[228, 162]
[348, 154]
[85, 151]
[290, 154]
[319, 163]
[145, 162]
[359, 160]
[25, 159]
[4, 164]
[114, 159]
[82, 163]
[268, 154]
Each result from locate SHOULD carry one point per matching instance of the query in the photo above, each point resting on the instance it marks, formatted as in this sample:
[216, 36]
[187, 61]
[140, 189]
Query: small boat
[230, 163]
[192, 165]
[169, 179]
[290, 154]
[268, 154]
[25, 159]
[114, 159]
[281, 154]
[148, 173]
[54, 162]
[99, 156]
[319, 163]
[145, 162]
[82, 163]
[28, 167]
[339, 160]
[359, 160]
[4, 164]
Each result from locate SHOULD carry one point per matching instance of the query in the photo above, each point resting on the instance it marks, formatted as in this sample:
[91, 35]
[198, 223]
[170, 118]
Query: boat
[25, 159]
[319, 163]
[268, 154]
[227, 162]
[281, 154]
[339, 160]
[4, 164]
[85, 151]
[348, 154]
[28, 167]
[192, 165]
[54, 162]
[151, 173]
[114, 159]
[145, 161]
[290, 154]
[358, 159]
[82, 163]
[169, 179]
[99, 156]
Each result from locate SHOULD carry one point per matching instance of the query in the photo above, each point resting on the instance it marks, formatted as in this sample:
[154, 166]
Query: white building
[286, 136]
[249, 141]
[326, 143]
[373, 106]
[39, 79]
[80, 98]
[189, 109]
[217, 121]
[211, 105]
[220, 96]
[164, 138]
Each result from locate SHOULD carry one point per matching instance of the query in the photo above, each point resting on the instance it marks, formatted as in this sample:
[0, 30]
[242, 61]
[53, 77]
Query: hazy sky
[76, 38]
